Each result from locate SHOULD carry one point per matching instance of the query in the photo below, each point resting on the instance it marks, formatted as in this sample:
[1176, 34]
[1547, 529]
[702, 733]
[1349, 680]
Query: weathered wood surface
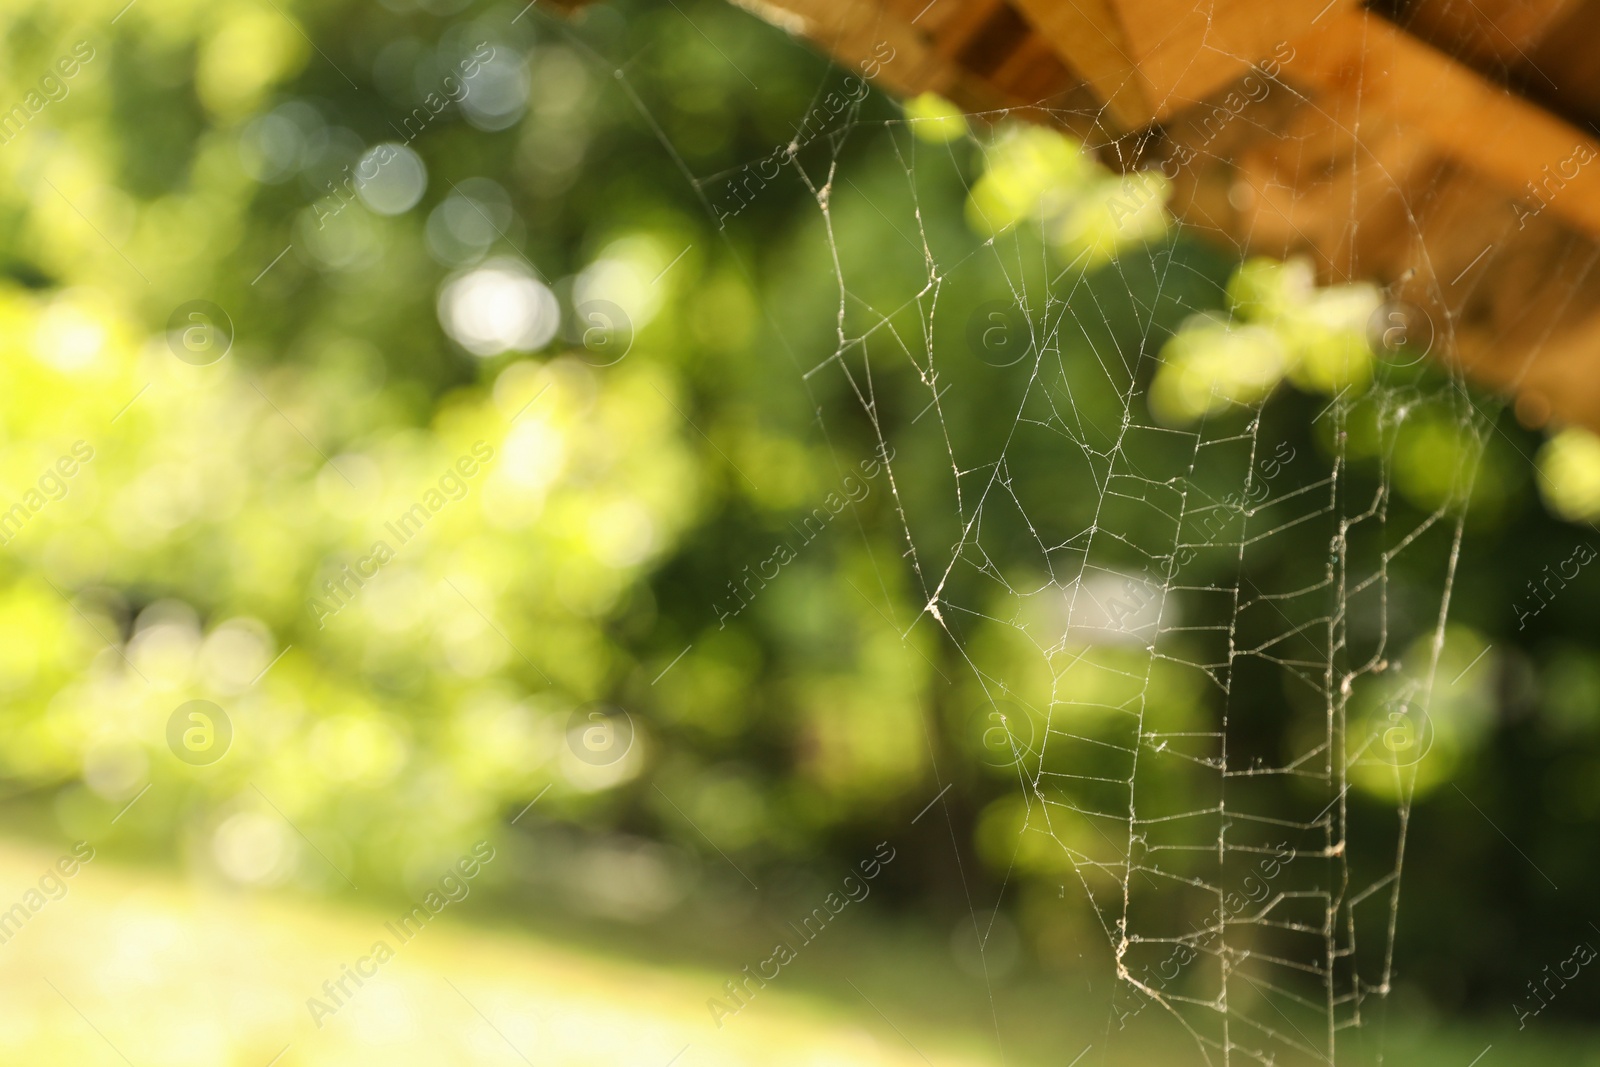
[1441, 148]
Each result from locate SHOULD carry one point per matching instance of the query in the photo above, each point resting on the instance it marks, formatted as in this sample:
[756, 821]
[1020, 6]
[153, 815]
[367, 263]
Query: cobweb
[1208, 680]
[1162, 817]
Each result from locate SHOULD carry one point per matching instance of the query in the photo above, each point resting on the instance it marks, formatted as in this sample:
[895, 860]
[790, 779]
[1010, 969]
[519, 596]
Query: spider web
[1161, 818]
[1208, 681]
[1160, 822]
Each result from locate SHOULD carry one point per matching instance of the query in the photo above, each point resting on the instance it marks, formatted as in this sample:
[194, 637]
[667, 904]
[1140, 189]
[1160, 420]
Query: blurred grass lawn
[135, 966]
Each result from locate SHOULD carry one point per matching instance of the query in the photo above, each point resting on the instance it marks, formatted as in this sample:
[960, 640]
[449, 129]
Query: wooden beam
[1089, 36]
[1551, 374]
[1149, 59]
[851, 32]
[1189, 49]
[1500, 32]
[1471, 121]
[1346, 199]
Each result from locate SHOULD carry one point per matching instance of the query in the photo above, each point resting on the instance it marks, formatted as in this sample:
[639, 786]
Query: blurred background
[620, 483]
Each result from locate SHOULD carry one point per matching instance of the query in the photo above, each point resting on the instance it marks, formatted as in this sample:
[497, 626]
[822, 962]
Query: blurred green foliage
[592, 554]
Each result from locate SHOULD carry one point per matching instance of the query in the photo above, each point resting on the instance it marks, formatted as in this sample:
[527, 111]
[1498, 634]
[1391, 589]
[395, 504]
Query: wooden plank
[1034, 72]
[1561, 66]
[1150, 59]
[962, 22]
[1551, 374]
[1089, 36]
[1348, 200]
[929, 16]
[1528, 152]
[851, 32]
[1187, 50]
[1485, 32]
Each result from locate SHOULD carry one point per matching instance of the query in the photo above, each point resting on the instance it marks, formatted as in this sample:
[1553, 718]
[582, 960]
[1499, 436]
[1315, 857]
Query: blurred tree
[489, 430]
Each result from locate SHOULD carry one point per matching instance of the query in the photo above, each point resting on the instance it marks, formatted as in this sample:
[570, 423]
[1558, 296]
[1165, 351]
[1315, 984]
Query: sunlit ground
[139, 967]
